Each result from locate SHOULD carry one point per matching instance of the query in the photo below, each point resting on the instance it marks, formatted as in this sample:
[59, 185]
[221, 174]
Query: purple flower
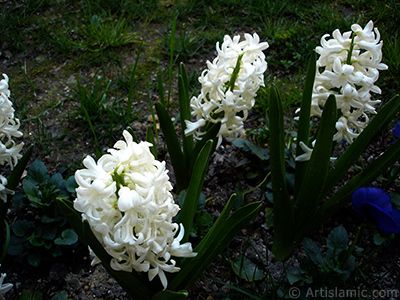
[376, 203]
[396, 130]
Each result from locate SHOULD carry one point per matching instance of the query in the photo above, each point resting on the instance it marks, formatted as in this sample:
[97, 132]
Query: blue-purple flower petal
[376, 203]
[396, 130]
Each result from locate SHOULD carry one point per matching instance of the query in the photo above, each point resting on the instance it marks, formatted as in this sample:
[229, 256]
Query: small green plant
[187, 44]
[254, 278]
[330, 269]
[103, 106]
[202, 221]
[45, 230]
[102, 33]
[256, 158]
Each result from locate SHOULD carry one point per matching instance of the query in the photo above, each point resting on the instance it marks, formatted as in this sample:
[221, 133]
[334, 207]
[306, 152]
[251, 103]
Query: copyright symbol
[294, 293]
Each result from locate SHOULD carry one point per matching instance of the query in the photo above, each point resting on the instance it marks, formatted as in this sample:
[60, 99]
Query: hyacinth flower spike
[125, 197]
[229, 86]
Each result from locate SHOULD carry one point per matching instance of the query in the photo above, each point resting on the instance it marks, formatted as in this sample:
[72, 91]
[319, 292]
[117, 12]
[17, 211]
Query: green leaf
[38, 173]
[283, 213]
[261, 153]
[71, 185]
[216, 240]
[12, 183]
[34, 259]
[269, 216]
[294, 275]
[191, 201]
[150, 139]
[246, 269]
[160, 89]
[20, 227]
[309, 196]
[379, 239]
[49, 232]
[132, 133]
[200, 205]
[6, 242]
[57, 181]
[353, 152]
[313, 252]
[338, 239]
[184, 109]
[171, 295]
[31, 295]
[18, 170]
[343, 196]
[210, 134]
[68, 237]
[61, 296]
[303, 131]
[202, 224]
[95, 21]
[47, 219]
[31, 190]
[74, 218]
[174, 149]
[36, 237]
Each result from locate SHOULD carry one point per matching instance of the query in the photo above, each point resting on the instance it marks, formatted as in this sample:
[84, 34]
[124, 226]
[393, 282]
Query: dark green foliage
[329, 269]
[44, 231]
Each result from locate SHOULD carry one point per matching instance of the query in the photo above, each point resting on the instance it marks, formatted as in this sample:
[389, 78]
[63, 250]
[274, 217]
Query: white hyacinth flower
[229, 86]
[126, 199]
[307, 152]
[9, 129]
[348, 67]
[9, 125]
[4, 287]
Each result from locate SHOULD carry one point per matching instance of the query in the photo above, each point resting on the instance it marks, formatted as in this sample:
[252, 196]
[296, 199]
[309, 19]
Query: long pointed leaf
[283, 214]
[174, 148]
[211, 134]
[150, 139]
[184, 109]
[217, 228]
[214, 243]
[342, 197]
[309, 195]
[12, 183]
[153, 116]
[190, 203]
[303, 131]
[134, 137]
[347, 159]
[16, 174]
[230, 229]
[160, 89]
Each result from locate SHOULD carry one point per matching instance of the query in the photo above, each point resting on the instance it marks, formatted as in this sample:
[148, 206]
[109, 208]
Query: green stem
[348, 60]
[351, 249]
[235, 74]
